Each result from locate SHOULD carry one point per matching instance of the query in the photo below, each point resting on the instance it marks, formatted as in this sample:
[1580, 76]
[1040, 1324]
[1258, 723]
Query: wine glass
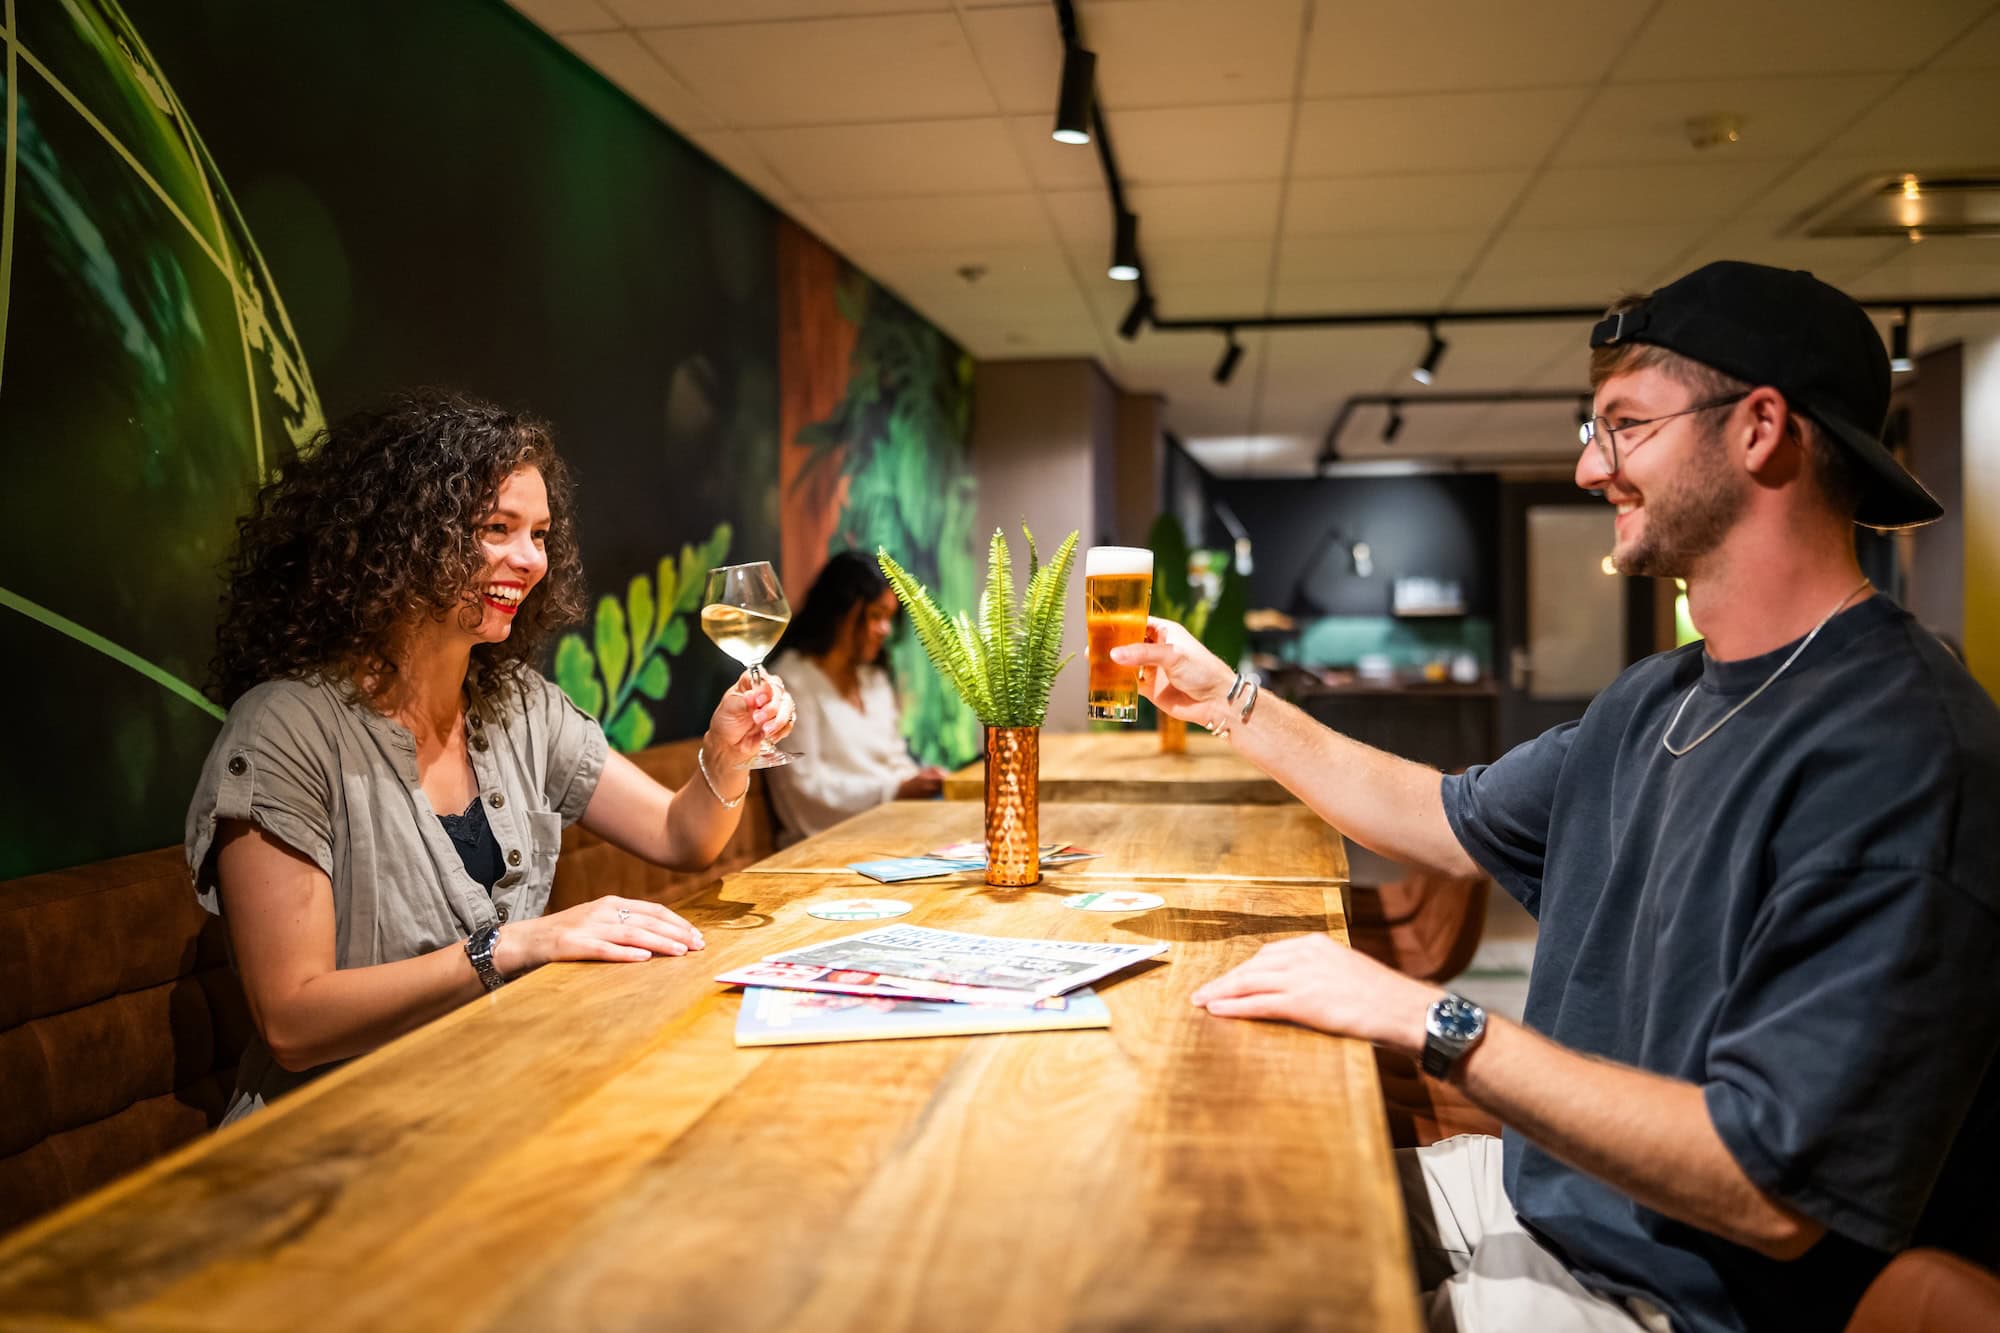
[744, 611]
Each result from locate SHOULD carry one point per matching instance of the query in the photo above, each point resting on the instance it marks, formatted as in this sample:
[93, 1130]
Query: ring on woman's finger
[624, 915]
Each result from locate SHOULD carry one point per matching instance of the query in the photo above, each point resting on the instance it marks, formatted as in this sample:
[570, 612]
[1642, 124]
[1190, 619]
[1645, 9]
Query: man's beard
[1687, 517]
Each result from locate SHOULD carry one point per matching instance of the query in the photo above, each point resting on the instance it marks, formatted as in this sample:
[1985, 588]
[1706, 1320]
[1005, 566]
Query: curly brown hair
[374, 523]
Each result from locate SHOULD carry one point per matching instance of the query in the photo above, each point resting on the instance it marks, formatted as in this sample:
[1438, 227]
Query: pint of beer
[1117, 586]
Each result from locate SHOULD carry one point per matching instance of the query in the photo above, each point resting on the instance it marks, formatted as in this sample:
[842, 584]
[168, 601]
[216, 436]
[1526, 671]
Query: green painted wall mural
[444, 196]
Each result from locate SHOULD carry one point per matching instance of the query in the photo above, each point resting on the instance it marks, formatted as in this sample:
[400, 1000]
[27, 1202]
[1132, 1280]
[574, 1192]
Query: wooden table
[586, 1148]
[1193, 842]
[1128, 766]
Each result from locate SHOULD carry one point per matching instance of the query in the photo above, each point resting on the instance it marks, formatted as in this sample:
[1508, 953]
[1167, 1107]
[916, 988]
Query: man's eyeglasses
[1600, 432]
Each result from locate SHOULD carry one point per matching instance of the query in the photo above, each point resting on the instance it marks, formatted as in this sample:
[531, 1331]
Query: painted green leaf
[675, 636]
[693, 576]
[632, 729]
[653, 677]
[614, 650]
[639, 613]
[576, 674]
[669, 593]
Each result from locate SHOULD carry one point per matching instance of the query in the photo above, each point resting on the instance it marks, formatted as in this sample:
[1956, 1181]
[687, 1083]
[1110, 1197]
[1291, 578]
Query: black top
[477, 848]
[1801, 916]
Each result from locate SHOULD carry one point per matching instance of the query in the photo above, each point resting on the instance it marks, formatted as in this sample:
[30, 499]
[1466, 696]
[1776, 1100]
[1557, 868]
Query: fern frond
[1043, 614]
[934, 631]
[979, 694]
[997, 627]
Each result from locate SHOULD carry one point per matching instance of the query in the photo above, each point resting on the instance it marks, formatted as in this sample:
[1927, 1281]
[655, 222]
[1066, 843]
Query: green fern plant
[1003, 666]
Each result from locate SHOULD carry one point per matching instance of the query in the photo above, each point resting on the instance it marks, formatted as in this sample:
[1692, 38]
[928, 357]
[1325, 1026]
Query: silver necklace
[1689, 696]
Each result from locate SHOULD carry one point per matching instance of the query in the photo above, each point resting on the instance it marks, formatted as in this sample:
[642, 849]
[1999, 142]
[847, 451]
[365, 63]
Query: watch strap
[479, 949]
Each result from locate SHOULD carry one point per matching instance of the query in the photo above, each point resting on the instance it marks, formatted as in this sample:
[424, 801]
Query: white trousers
[1479, 1269]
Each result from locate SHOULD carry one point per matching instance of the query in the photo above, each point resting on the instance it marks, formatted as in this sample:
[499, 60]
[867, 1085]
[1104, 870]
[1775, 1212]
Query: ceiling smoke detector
[1714, 129]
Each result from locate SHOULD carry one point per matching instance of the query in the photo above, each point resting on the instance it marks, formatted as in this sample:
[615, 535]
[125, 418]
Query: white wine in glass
[744, 611]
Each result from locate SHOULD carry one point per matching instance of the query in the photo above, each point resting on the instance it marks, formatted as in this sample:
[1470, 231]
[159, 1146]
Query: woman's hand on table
[752, 712]
[1314, 982]
[921, 785]
[609, 930]
[1179, 675]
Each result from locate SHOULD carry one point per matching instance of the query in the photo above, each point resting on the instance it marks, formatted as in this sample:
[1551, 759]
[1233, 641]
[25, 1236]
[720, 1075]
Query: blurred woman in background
[849, 725]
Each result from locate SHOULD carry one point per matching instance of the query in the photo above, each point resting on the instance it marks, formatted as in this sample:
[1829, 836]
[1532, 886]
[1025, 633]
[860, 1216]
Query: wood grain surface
[586, 1148]
[1148, 841]
[1128, 766]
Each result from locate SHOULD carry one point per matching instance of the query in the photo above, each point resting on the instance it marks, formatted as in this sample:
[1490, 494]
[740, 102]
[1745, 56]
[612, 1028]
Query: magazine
[773, 1017]
[930, 957]
[954, 859]
[853, 981]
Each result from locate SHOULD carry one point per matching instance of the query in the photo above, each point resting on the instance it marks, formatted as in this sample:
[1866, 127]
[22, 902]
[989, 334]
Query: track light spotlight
[1135, 318]
[1394, 425]
[1426, 370]
[1899, 346]
[1125, 249]
[1073, 103]
[1231, 354]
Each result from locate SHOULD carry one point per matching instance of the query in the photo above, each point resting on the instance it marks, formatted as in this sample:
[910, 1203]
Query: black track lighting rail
[1396, 402]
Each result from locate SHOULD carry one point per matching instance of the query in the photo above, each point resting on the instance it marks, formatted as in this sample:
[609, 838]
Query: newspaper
[947, 957]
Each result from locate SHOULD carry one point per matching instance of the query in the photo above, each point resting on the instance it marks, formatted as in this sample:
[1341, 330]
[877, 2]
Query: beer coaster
[1123, 900]
[857, 909]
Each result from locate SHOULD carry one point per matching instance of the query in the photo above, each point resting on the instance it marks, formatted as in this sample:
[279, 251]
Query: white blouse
[853, 759]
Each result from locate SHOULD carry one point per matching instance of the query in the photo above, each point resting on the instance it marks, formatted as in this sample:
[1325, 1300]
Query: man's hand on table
[1318, 984]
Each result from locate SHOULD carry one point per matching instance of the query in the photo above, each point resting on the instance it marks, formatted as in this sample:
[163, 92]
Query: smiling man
[1758, 1054]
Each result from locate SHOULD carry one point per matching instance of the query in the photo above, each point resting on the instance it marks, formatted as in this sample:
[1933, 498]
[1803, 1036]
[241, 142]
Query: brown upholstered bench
[121, 1021]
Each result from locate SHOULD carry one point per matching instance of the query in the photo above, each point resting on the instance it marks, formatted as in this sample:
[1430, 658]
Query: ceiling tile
[1468, 200]
[1935, 268]
[824, 71]
[1549, 250]
[1947, 115]
[1020, 52]
[1242, 211]
[940, 222]
[1177, 53]
[1636, 124]
[911, 158]
[1359, 136]
[1202, 299]
[1016, 340]
[1643, 196]
[670, 13]
[620, 57]
[1720, 38]
[1978, 49]
[1183, 145]
[1309, 259]
[567, 16]
[1360, 46]
[1413, 291]
[1837, 259]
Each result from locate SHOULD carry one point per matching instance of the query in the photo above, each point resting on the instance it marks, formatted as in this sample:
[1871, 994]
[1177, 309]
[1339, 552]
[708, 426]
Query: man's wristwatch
[1452, 1027]
[480, 950]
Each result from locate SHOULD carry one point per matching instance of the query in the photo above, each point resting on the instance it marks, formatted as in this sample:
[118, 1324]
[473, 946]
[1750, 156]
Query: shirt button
[476, 720]
[503, 916]
[514, 857]
[237, 766]
[479, 744]
[496, 800]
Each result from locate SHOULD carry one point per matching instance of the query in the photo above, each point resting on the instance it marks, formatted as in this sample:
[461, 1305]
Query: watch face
[1455, 1020]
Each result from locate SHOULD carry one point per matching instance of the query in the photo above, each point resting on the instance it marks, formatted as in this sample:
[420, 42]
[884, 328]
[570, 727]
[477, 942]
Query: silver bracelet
[1249, 702]
[701, 762]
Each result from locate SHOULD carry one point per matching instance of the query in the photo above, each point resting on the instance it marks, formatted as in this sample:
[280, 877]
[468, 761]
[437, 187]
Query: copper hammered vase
[1173, 734]
[1013, 779]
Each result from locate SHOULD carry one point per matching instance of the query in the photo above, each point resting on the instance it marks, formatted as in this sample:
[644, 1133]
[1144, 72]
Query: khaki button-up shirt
[336, 781]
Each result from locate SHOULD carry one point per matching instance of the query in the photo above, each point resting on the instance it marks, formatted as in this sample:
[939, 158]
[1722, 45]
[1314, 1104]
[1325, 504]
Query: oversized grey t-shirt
[336, 781]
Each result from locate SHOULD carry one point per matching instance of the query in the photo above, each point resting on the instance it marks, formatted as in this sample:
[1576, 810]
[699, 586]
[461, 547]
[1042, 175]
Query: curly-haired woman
[379, 820]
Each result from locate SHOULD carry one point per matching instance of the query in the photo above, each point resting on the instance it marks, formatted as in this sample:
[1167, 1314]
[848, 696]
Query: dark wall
[1434, 527]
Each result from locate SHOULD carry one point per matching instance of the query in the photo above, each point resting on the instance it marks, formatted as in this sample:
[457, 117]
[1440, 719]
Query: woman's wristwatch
[479, 948]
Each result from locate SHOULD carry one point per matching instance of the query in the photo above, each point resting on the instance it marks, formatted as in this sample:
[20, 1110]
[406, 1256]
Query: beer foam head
[1102, 560]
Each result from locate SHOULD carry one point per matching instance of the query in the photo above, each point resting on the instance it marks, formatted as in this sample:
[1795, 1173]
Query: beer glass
[744, 611]
[1117, 587]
